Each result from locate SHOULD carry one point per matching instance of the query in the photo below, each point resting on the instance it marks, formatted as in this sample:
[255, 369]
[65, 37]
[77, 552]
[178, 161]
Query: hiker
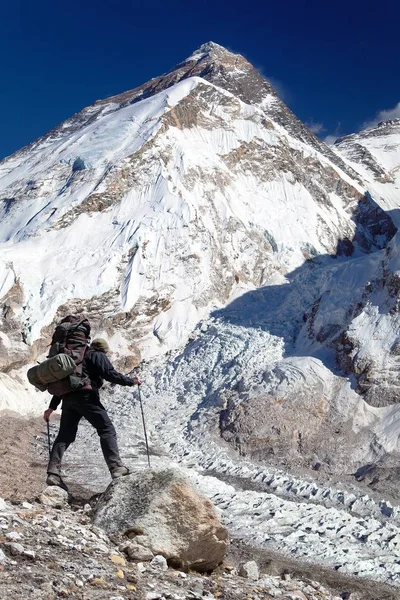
[86, 403]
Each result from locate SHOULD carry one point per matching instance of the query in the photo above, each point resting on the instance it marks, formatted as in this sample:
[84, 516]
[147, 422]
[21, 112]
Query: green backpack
[62, 372]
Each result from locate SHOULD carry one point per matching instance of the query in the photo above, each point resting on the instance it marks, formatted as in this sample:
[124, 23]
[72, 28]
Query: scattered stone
[16, 549]
[3, 557]
[159, 562]
[136, 551]
[13, 536]
[47, 588]
[249, 570]
[27, 505]
[30, 554]
[141, 567]
[296, 595]
[132, 577]
[54, 496]
[120, 574]
[197, 588]
[182, 575]
[153, 595]
[177, 521]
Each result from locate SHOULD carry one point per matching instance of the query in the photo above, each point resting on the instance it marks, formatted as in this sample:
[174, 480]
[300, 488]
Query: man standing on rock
[87, 404]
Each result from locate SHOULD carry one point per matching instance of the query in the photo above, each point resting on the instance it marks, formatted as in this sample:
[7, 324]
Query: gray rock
[13, 536]
[47, 587]
[197, 589]
[153, 595]
[29, 554]
[168, 516]
[54, 496]
[102, 548]
[159, 562]
[136, 551]
[249, 570]
[3, 557]
[16, 549]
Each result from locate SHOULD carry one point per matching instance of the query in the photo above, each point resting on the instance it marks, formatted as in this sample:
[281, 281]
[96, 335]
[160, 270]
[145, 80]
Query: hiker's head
[101, 345]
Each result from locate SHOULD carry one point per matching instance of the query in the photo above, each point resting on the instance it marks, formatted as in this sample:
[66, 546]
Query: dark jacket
[97, 366]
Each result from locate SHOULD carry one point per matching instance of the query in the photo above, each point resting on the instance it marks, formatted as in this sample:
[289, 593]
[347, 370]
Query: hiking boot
[121, 471]
[53, 479]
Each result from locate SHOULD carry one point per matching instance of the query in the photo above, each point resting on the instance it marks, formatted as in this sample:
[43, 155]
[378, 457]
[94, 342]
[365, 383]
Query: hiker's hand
[47, 414]
[137, 380]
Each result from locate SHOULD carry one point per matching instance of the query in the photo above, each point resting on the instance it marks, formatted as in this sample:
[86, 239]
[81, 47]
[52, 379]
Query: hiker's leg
[97, 416]
[66, 436]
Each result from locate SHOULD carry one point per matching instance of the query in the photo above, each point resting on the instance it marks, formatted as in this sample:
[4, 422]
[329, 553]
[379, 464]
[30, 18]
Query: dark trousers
[74, 407]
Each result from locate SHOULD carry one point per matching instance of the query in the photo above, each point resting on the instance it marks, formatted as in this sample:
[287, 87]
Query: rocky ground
[50, 552]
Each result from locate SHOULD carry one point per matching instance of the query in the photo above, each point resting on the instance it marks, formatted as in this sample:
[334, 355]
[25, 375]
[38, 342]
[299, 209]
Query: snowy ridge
[375, 154]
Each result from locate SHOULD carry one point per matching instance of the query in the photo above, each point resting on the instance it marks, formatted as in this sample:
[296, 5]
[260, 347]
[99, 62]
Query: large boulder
[162, 512]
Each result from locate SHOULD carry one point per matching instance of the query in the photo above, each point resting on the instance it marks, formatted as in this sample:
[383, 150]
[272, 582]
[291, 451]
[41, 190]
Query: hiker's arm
[54, 402]
[107, 372]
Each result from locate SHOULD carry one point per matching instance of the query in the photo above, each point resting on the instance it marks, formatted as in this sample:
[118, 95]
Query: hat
[101, 345]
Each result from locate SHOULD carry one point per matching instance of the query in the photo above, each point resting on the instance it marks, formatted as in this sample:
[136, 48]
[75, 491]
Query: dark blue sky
[336, 63]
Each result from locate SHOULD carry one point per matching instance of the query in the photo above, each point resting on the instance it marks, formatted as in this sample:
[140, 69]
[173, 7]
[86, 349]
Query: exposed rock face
[300, 420]
[163, 513]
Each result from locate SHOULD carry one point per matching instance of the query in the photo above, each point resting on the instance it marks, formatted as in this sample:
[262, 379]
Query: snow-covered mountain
[195, 219]
[168, 200]
[375, 154]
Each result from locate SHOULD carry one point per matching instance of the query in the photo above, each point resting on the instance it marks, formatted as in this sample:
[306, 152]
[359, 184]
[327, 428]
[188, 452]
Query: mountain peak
[210, 50]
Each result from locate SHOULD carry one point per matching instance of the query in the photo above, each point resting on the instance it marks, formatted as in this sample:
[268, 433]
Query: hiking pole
[48, 437]
[144, 426]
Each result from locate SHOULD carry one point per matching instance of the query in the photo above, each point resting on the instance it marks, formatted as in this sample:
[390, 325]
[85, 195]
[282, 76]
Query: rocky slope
[49, 552]
[200, 225]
